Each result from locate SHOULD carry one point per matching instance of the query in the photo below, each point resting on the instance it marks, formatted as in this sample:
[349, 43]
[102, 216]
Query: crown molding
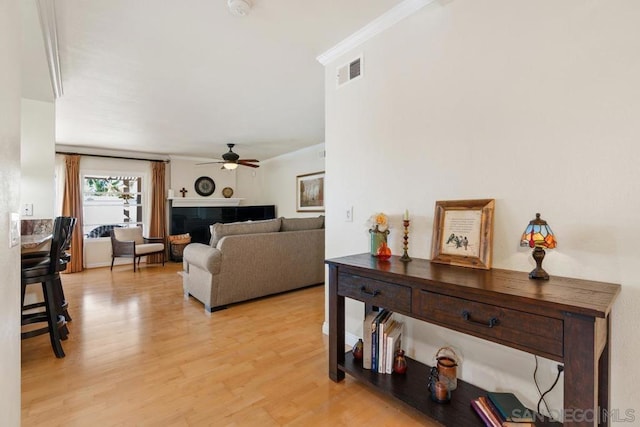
[102, 152]
[47, 12]
[378, 25]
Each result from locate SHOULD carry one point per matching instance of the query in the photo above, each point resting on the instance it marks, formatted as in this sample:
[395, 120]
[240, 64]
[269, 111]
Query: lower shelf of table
[411, 388]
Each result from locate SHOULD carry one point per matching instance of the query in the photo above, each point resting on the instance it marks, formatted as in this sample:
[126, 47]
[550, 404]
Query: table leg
[336, 327]
[581, 371]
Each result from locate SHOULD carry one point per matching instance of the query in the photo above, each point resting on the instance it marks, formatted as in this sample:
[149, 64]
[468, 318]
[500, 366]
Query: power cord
[542, 395]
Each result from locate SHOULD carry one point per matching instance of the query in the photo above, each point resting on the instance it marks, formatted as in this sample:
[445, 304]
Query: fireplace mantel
[179, 202]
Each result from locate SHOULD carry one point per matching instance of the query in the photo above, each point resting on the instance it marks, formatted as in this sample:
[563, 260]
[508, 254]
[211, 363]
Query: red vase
[384, 253]
[400, 363]
[358, 350]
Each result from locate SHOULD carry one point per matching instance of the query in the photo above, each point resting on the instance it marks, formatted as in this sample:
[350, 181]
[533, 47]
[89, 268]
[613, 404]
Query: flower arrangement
[378, 222]
[378, 230]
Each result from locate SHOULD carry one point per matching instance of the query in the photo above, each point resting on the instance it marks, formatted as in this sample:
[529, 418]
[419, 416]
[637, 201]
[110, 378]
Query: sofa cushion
[148, 248]
[219, 230]
[298, 224]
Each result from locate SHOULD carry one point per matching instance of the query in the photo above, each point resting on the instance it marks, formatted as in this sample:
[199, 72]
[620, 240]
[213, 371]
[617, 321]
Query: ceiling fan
[231, 160]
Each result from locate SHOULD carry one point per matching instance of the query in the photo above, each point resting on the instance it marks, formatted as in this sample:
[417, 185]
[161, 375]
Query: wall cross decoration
[184, 191]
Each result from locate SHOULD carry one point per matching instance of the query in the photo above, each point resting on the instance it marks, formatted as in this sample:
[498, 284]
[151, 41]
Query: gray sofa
[253, 259]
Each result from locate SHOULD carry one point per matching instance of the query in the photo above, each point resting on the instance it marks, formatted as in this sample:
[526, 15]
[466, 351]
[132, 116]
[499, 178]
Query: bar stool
[65, 258]
[45, 270]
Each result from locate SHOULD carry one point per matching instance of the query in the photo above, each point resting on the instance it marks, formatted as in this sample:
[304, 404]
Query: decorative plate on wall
[227, 192]
[205, 186]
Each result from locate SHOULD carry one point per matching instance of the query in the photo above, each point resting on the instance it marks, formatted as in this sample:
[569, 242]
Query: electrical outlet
[27, 209]
[348, 214]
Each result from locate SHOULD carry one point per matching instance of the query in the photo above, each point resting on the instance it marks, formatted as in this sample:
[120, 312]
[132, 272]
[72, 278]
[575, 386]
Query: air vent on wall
[349, 72]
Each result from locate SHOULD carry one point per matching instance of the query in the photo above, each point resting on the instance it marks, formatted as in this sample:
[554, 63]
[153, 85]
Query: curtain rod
[114, 157]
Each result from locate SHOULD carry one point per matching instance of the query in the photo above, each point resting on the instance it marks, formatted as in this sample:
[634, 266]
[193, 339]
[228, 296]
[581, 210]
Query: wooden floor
[140, 354]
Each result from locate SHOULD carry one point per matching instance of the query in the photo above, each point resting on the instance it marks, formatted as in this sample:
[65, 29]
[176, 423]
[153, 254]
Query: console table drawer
[498, 324]
[375, 292]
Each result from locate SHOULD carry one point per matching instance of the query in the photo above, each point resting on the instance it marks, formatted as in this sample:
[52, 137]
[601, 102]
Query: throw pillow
[297, 224]
[219, 230]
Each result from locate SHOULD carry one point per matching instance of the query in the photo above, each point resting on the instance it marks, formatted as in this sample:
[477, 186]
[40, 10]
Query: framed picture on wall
[310, 192]
[463, 233]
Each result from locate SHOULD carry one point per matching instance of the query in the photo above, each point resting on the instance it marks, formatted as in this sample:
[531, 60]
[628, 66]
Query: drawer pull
[365, 291]
[492, 322]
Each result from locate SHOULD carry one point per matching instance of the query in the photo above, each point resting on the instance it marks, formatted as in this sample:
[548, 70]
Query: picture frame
[310, 192]
[463, 233]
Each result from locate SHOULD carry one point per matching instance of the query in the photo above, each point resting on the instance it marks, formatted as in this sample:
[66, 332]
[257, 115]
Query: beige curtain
[158, 208]
[72, 206]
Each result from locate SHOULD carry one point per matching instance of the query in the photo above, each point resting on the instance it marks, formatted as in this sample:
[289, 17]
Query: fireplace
[196, 220]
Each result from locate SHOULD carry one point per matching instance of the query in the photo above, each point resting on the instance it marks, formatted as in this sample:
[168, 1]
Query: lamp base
[538, 274]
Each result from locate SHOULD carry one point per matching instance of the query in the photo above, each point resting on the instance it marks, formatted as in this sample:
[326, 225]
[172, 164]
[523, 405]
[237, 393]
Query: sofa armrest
[202, 256]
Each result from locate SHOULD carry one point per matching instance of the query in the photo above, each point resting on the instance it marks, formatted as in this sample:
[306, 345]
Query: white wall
[273, 183]
[247, 183]
[9, 203]
[185, 171]
[37, 156]
[279, 178]
[250, 186]
[535, 104]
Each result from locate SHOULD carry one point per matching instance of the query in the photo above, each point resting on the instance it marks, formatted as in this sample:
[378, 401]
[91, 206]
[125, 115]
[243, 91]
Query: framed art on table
[463, 233]
[310, 192]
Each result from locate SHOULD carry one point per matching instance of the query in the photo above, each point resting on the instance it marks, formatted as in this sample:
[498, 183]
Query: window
[110, 202]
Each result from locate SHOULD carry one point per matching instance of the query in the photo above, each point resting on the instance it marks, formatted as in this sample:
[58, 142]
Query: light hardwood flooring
[140, 354]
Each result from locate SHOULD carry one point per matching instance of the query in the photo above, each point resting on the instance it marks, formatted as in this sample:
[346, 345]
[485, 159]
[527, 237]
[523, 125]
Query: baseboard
[349, 338]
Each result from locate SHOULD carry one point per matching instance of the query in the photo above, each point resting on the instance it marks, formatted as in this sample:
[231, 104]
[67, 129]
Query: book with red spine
[491, 411]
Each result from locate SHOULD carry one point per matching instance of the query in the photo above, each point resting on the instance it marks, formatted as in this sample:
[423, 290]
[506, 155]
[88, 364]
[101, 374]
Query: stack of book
[502, 410]
[382, 339]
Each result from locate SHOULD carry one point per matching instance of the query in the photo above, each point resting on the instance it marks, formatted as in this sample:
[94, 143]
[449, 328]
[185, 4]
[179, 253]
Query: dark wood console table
[562, 319]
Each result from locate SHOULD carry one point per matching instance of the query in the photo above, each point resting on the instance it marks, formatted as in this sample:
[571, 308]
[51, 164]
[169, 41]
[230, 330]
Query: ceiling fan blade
[251, 165]
[249, 160]
[210, 163]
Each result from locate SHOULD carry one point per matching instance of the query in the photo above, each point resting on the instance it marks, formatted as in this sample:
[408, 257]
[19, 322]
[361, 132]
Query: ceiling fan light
[239, 7]
[230, 166]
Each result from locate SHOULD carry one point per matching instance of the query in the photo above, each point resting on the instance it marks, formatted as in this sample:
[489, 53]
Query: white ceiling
[185, 77]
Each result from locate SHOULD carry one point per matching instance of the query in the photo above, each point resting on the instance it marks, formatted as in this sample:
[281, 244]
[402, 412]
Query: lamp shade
[538, 234]
[230, 166]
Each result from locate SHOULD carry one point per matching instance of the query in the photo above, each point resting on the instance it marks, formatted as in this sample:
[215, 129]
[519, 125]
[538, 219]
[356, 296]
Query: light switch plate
[348, 214]
[27, 209]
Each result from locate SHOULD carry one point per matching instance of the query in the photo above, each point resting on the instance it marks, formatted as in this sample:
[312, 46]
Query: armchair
[129, 242]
